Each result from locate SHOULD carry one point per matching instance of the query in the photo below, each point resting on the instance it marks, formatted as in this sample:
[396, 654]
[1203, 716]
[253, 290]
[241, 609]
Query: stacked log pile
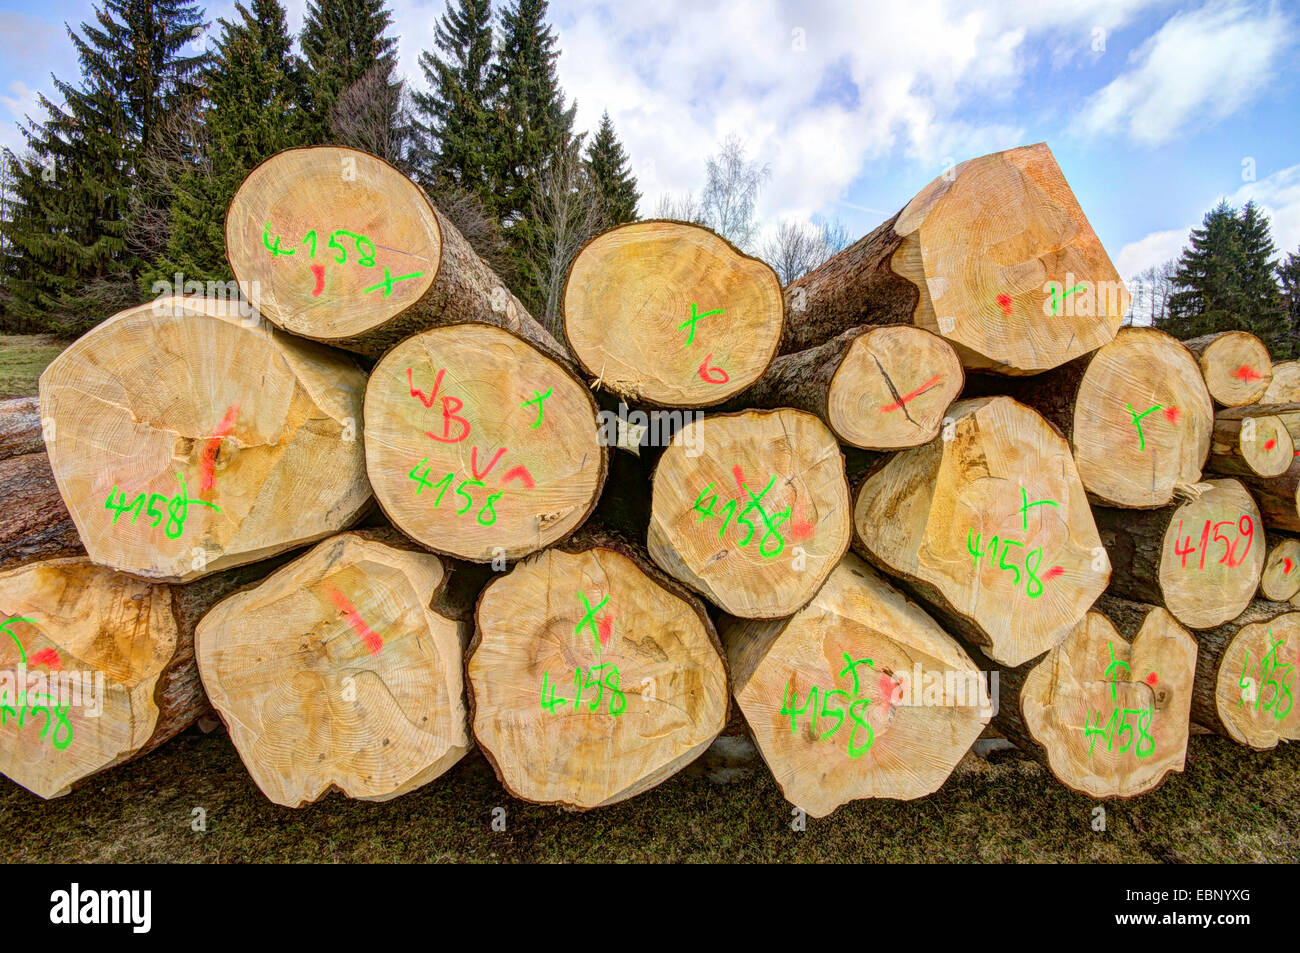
[1044, 524]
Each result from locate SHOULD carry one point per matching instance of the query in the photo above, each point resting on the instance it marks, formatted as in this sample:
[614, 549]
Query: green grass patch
[1231, 805]
[22, 358]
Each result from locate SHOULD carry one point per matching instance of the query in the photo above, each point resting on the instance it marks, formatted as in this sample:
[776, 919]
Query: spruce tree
[252, 87]
[607, 166]
[73, 188]
[533, 122]
[341, 41]
[1208, 296]
[1225, 280]
[1262, 312]
[455, 118]
[1288, 274]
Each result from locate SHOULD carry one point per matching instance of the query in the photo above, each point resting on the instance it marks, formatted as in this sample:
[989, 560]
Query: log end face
[1008, 267]
[331, 242]
[1142, 420]
[893, 388]
[186, 441]
[671, 314]
[758, 516]
[1212, 555]
[1112, 716]
[590, 681]
[860, 694]
[334, 673]
[84, 650]
[1253, 691]
[1237, 368]
[478, 445]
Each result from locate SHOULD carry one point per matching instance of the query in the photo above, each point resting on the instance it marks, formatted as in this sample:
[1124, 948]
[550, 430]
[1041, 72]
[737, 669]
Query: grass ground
[22, 358]
[1231, 805]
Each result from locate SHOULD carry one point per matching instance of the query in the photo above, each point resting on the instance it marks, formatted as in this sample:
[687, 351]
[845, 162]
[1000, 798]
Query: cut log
[751, 510]
[877, 388]
[34, 523]
[990, 525]
[186, 442]
[1284, 388]
[995, 255]
[898, 701]
[1106, 715]
[1200, 559]
[1280, 580]
[105, 664]
[336, 673]
[1248, 443]
[480, 446]
[1136, 413]
[1245, 676]
[592, 676]
[671, 314]
[337, 245]
[1236, 365]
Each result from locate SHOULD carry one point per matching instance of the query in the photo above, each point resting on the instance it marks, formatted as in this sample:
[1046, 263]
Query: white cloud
[872, 81]
[20, 101]
[1154, 249]
[1201, 66]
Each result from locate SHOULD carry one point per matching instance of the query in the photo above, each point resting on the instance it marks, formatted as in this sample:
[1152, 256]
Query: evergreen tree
[607, 166]
[73, 189]
[532, 121]
[1262, 311]
[252, 88]
[1288, 274]
[455, 118]
[1225, 280]
[343, 40]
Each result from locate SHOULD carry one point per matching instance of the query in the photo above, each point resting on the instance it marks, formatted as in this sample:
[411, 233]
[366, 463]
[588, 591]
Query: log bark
[1280, 579]
[592, 676]
[990, 525]
[1236, 365]
[339, 246]
[899, 702]
[1136, 413]
[186, 442]
[751, 510]
[480, 446]
[336, 672]
[34, 523]
[122, 649]
[1284, 388]
[671, 314]
[1106, 713]
[980, 256]
[1250, 443]
[1278, 497]
[877, 388]
[1200, 559]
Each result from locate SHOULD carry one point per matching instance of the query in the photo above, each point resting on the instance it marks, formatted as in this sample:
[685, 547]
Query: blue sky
[1154, 110]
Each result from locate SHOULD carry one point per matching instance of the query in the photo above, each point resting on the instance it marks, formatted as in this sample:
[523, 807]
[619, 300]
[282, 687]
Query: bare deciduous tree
[731, 192]
[796, 248]
[374, 115]
[473, 221]
[1151, 290]
[681, 208]
[177, 148]
[565, 212]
